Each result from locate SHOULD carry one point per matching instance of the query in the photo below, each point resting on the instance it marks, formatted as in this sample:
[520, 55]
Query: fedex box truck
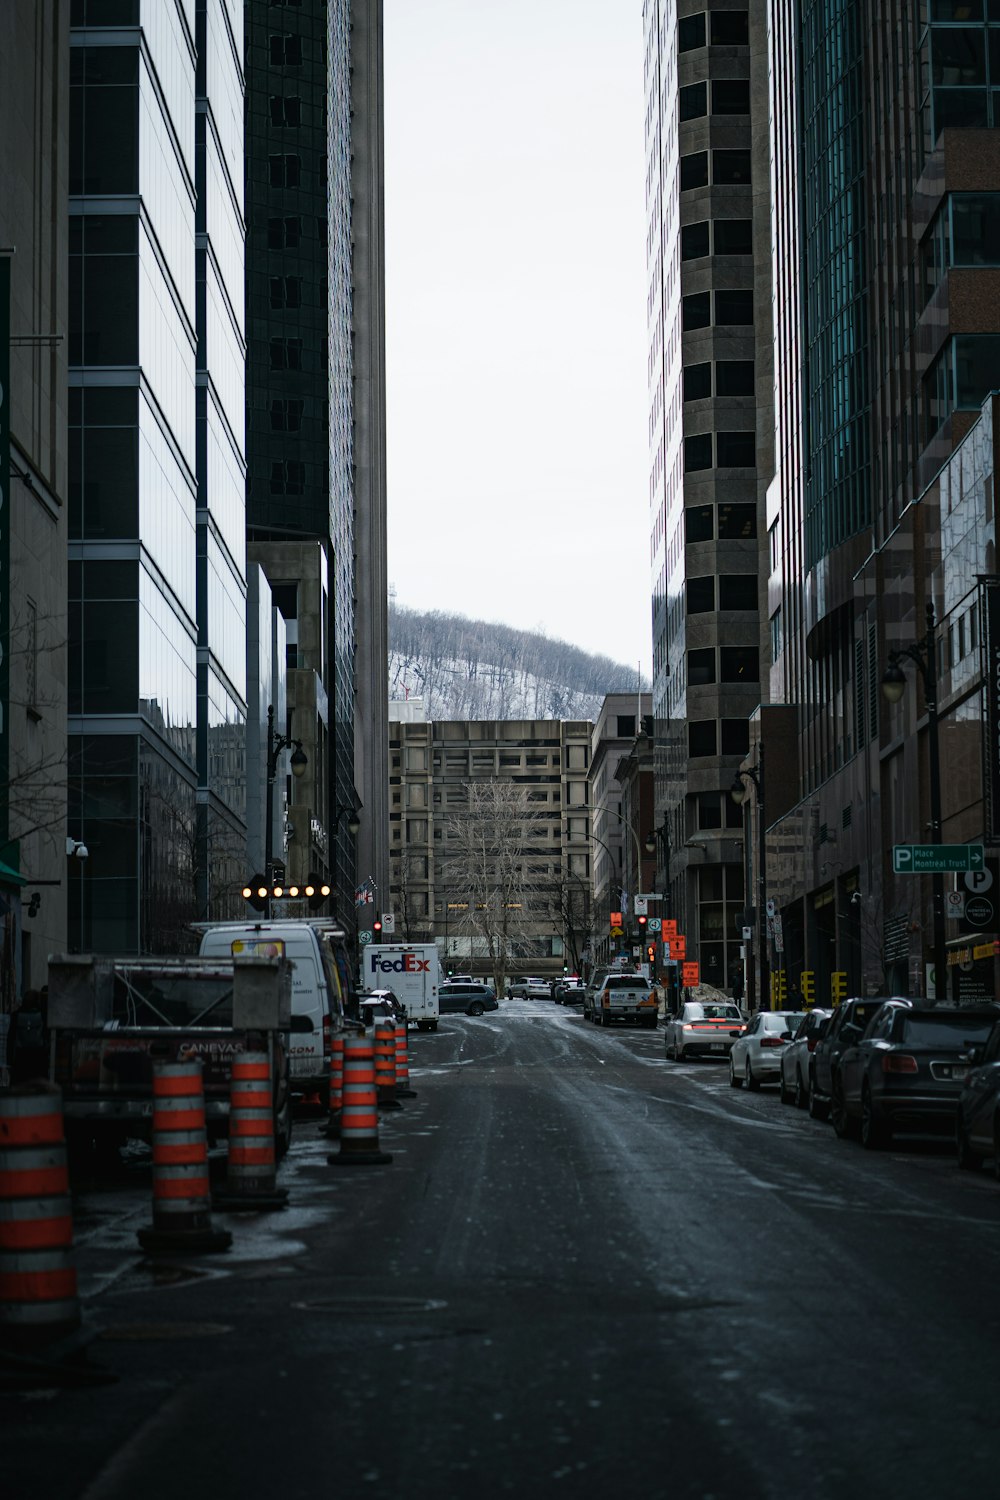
[412, 971]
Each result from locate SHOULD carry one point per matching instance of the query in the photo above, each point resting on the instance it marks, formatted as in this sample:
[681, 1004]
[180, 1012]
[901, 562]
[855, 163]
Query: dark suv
[847, 1026]
[471, 999]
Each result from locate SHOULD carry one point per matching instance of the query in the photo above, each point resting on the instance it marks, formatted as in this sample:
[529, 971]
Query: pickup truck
[111, 1020]
[619, 995]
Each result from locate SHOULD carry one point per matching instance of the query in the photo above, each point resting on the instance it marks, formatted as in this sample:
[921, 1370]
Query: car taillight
[772, 1041]
[899, 1063]
[811, 1043]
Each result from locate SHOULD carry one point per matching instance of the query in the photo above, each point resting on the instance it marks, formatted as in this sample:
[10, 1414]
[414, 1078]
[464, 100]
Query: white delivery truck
[412, 971]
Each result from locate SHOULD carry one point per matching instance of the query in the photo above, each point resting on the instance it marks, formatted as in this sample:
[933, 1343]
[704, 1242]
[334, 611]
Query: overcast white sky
[515, 316]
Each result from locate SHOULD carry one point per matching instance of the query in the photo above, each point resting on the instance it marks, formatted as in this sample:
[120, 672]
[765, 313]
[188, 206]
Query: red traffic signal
[376, 931]
[642, 921]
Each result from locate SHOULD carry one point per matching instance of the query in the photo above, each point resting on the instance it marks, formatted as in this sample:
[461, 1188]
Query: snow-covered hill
[472, 669]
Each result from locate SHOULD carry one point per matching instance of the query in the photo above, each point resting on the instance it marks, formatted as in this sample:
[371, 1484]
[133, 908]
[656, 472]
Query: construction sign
[676, 947]
[689, 973]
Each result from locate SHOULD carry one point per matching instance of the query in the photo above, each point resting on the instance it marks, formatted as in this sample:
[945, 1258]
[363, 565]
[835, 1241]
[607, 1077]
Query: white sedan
[702, 1029]
[756, 1055]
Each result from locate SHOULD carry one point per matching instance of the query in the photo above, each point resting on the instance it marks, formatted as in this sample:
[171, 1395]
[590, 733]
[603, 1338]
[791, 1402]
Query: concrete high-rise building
[711, 440]
[34, 227]
[315, 403]
[156, 558]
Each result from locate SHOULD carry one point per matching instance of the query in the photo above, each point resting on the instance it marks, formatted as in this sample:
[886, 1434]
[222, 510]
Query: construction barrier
[38, 1295]
[359, 1145]
[332, 1127]
[182, 1219]
[385, 1065]
[403, 1090]
[252, 1168]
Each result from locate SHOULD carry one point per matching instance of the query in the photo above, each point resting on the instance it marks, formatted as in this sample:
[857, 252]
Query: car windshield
[942, 1030]
[698, 1012]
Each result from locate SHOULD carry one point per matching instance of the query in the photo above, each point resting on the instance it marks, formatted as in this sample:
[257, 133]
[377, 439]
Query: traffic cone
[359, 1117]
[251, 1171]
[332, 1127]
[403, 1090]
[182, 1218]
[38, 1297]
[385, 1065]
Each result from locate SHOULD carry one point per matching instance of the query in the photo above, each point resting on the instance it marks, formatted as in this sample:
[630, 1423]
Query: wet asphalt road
[587, 1271]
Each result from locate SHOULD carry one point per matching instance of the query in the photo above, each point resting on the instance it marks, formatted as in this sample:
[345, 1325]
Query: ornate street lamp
[738, 792]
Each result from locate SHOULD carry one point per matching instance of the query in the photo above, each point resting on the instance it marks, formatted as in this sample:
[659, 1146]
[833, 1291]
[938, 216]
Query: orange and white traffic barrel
[252, 1169]
[182, 1201]
[332, 1127]
[38, 1293]
[385, 1065]
[359, 1145]
[403, 1090]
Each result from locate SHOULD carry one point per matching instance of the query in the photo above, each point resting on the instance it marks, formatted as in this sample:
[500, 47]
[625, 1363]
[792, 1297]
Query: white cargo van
[412, 971]
[322, 988]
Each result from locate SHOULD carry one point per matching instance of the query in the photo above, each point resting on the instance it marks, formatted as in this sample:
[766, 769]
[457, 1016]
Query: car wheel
[801, 1094]
[475, 1009]
[819, 1109]
[734, 1081]
[875, 1132]
[967, 1159]
[843, 1125]
[753, 1082]
[784, 1092]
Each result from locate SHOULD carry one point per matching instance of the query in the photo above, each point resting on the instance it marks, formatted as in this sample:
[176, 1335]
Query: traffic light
[565, 968]
[651, 952]
[316, 890]
[256, 892]
[376, 931]
[642, 925]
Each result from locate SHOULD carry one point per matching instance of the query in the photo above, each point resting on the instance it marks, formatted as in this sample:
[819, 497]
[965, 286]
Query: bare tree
[487, 860]
[571, 905]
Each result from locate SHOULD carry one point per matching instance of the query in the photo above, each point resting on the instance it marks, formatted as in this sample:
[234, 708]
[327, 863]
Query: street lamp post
[738, 793]
[923, 654]
[661, 836]
[276, 744]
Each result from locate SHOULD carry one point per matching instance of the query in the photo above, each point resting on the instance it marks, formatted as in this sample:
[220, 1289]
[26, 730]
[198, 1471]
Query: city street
[587, 1271]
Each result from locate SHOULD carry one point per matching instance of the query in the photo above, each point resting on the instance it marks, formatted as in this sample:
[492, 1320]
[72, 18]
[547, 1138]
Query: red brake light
[772, 1041]
[811, 1043]
[899, 1063]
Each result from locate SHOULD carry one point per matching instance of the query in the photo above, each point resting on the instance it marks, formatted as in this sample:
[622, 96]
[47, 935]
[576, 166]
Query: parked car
[907, 1071]
[472, 998]
[793, 1078]
[977, 1123]
[530, 989]
[755, 1054]
[702, 1029]
[377, 1005]
[847, 1026]
[569, 992]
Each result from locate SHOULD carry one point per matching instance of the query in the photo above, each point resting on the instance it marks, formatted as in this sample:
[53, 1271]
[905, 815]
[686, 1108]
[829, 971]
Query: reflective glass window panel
[709, 809]
[701, 667]
[738, 591]
[739, 664]
[702, 737]
[733, 308]
[736, 450]
[691, 32]
[959, 107]
[700, 595]
[731, 96]
[737, 522]
[697, 452]
[734, 377]
[958, 55]
[694, 240]
[977, 368]
[734, 236]
[975, 228]
[735, 736]
[696, 311]
[698, 523]
[730, 28]
[697, 381]
[694, 170]
[730, 167]
[693, 101]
